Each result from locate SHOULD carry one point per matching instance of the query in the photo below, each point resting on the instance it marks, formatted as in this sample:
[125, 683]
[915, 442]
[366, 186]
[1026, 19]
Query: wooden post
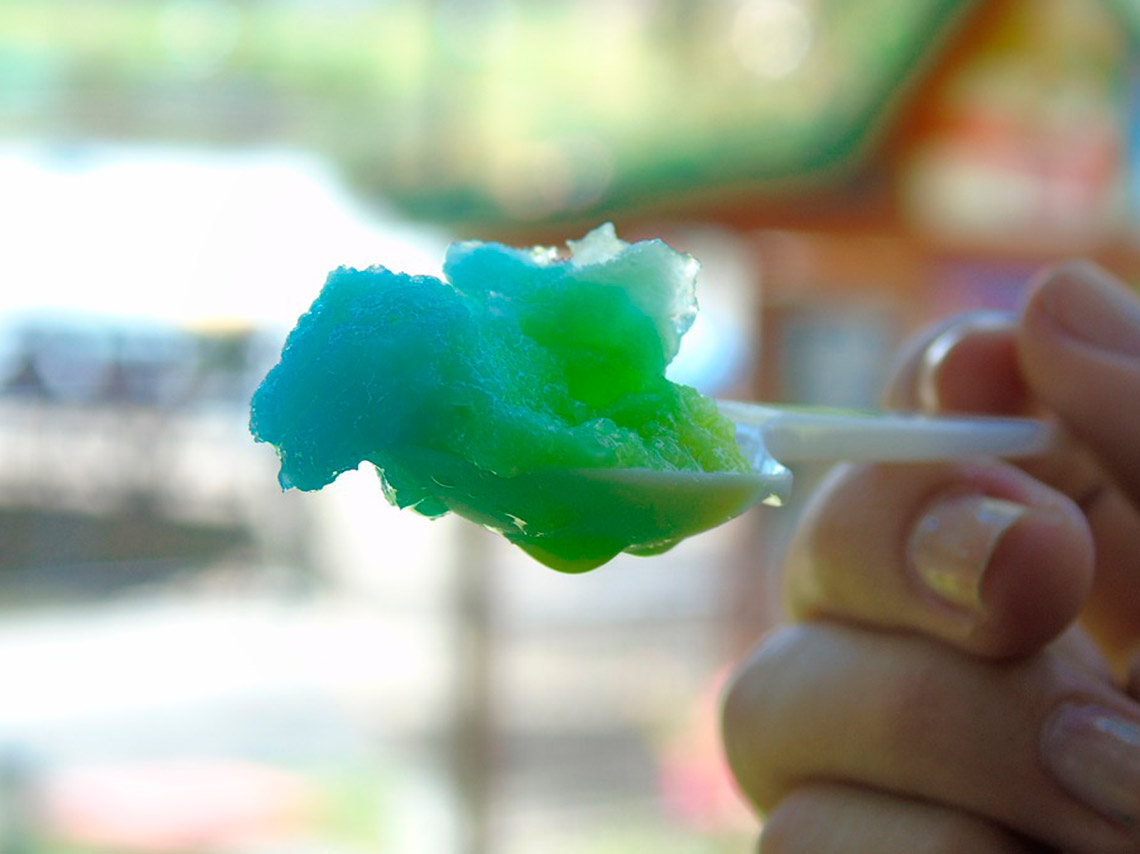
[473, 724]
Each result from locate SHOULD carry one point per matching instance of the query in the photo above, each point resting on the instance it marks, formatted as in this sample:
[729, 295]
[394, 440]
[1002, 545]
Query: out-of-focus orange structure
[1009, 148]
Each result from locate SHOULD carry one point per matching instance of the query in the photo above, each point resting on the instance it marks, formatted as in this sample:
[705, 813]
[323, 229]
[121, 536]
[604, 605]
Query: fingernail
[1090, 305]
[929, 397]
[1094, 754]
[952, 544]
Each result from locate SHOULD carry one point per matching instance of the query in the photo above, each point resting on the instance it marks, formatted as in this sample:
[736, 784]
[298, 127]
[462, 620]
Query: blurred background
[192, 661]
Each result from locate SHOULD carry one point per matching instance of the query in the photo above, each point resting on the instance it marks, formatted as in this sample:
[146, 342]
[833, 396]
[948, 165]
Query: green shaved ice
[477, 394]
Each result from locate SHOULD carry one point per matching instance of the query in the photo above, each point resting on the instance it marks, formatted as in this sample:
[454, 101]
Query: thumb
[1079, 346]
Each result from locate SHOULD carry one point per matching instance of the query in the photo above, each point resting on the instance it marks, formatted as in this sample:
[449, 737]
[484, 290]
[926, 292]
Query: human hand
[956, 675]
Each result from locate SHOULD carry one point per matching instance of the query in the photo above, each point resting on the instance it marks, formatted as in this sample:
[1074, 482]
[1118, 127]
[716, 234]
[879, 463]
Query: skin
[883, 718]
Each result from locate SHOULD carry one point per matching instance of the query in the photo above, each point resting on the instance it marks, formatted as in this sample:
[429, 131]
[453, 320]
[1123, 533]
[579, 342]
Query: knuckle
[753, 714]
[909, 707]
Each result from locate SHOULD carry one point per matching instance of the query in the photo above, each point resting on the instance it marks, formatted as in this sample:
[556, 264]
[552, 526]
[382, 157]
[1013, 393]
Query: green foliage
[468, 111]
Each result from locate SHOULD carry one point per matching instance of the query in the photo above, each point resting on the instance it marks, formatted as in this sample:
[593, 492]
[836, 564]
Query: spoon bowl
[574, 520]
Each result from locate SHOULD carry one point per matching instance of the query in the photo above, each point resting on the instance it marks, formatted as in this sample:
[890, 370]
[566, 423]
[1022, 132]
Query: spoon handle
[794, 434]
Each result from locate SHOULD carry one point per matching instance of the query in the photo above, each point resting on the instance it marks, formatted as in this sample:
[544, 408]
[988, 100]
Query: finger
[1080, 350]
[981, 556]
[1079, 345]
[966, 364]
[833, 818]
[971, 364]
[1042, 747]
